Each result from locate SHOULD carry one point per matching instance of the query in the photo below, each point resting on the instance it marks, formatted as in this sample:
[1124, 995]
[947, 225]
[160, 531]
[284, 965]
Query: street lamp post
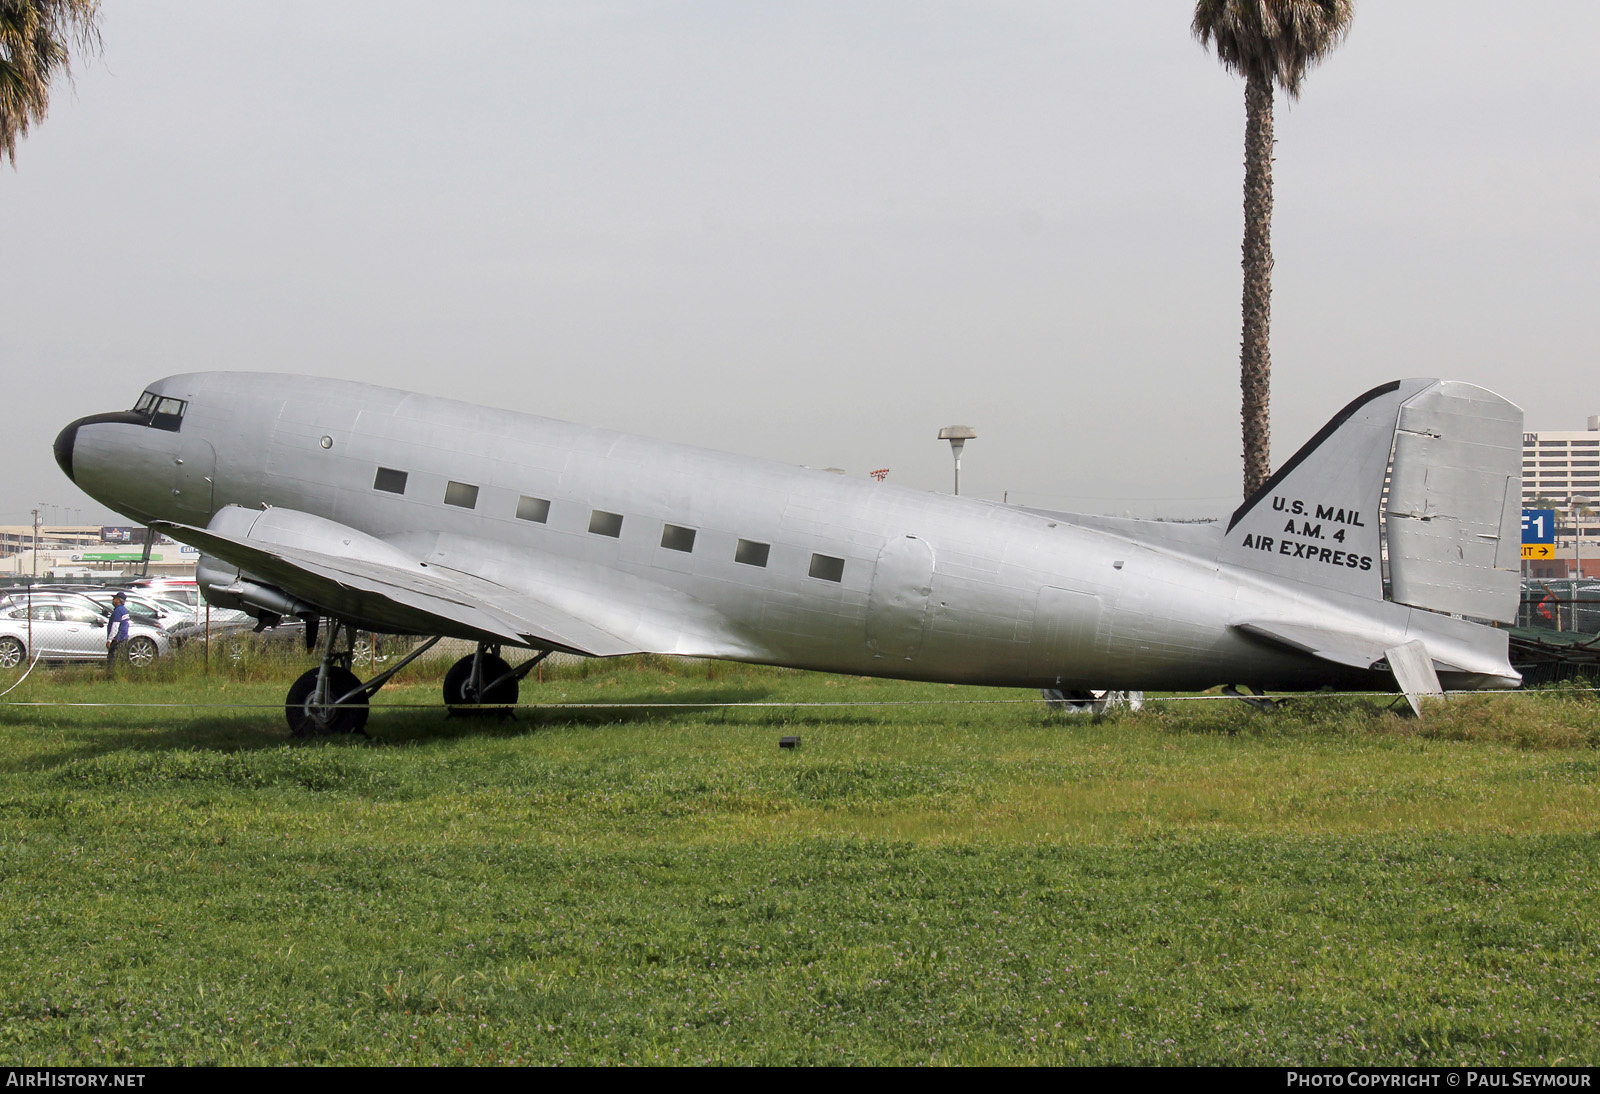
[958, 436]
[1575, 506]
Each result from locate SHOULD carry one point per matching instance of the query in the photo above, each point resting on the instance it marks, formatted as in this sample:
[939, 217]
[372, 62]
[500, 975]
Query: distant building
[1561, 471]
[16, 538]
[1559, 466]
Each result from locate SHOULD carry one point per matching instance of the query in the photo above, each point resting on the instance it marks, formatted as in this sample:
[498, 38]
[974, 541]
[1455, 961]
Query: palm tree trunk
[1255, 356]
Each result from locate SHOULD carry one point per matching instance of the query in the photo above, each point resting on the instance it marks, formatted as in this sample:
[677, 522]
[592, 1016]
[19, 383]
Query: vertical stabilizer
[1316, 520]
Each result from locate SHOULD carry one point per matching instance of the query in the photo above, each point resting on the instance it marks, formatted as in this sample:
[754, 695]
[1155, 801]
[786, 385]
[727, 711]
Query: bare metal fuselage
[933, 587]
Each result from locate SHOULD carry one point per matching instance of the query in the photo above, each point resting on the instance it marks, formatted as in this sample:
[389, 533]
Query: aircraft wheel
[1091, 702]
[1071, 702]
[457, 688]
[11, 653]
[142, 651]
[306, 719]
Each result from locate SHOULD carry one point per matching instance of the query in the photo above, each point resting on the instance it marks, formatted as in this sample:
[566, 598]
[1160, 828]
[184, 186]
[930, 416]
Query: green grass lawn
[1196, 883]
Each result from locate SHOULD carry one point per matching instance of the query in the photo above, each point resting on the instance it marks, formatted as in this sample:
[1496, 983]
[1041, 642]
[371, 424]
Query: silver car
[70, 632]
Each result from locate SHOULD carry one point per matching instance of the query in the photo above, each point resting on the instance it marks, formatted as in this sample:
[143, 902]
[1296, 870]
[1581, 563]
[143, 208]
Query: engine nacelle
[227, 586]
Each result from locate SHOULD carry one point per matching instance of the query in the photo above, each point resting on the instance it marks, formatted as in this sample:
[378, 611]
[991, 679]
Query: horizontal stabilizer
[1340, 647]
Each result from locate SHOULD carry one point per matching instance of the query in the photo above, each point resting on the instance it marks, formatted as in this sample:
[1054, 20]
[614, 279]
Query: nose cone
[67, 439]
[64, 442]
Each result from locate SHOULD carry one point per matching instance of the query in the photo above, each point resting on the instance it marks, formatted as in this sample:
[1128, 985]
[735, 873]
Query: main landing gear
[482, 683]
[330, 698]
[1090, 702]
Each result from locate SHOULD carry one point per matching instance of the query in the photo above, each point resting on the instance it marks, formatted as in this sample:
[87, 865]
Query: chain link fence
[56, 624]
[1571, 606]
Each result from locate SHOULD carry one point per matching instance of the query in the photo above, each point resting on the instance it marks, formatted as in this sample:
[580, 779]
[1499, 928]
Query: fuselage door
[193, 469]
[897, 606]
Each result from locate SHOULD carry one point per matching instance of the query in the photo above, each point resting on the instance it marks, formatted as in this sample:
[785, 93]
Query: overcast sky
[810, 231]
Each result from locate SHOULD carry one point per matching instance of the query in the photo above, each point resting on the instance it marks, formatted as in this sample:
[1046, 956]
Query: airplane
[387, 511]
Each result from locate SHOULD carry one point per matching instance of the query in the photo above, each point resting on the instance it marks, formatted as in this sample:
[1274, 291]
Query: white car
[70, 632]
[157, 611]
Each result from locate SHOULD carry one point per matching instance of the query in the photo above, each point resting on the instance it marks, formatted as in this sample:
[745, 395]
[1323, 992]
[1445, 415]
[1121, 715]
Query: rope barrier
[37, 654]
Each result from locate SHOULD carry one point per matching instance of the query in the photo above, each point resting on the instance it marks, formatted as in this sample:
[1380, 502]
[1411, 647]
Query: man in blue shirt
[116, 631]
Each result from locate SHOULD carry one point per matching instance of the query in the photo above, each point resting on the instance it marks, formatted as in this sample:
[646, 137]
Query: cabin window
[390, 481]
[827, 567]
[602, 523]
[752, 553]
[462, 494]
[674, 538]
[534, 509]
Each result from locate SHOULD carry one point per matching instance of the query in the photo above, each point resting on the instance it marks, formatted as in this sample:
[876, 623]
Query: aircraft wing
[414, 597]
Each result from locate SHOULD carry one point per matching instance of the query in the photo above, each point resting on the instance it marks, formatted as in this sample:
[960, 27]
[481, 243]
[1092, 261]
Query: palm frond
[35, 41]
[1275, 40]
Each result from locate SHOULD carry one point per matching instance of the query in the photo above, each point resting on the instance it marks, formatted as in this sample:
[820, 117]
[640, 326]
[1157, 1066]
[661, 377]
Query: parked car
[234, 635]
[156, 613]
[184, 590]
[53, 594]
[233, 631]
[70, 632]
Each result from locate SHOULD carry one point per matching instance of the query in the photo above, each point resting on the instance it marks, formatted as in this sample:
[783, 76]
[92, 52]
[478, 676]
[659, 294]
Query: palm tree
[34, 40]
[1268, 42]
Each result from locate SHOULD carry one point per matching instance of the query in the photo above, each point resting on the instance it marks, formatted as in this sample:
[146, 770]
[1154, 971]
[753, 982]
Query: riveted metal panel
[1064, 628]
[1454, 498]
[897, 606]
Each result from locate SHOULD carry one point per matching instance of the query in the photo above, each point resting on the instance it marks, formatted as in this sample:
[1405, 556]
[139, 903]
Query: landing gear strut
[330, 698]
[1258, 700]
[1090, 702]
[482, 683]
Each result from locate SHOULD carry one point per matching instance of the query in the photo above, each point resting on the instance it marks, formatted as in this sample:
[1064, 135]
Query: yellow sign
[1538, 550]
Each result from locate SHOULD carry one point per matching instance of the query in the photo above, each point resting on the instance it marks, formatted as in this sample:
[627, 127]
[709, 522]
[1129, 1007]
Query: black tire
[142, 651]
[12, 652]
[1071, 702]
[496, 700]
[306, 721]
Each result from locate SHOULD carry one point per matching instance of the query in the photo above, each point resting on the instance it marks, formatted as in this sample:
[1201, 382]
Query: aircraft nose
[67, 439]
[63, 446]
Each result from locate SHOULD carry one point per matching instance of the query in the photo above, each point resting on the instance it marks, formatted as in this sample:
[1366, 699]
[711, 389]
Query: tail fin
[1453, 520]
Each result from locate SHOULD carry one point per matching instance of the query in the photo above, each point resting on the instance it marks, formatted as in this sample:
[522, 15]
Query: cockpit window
[161, 412]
